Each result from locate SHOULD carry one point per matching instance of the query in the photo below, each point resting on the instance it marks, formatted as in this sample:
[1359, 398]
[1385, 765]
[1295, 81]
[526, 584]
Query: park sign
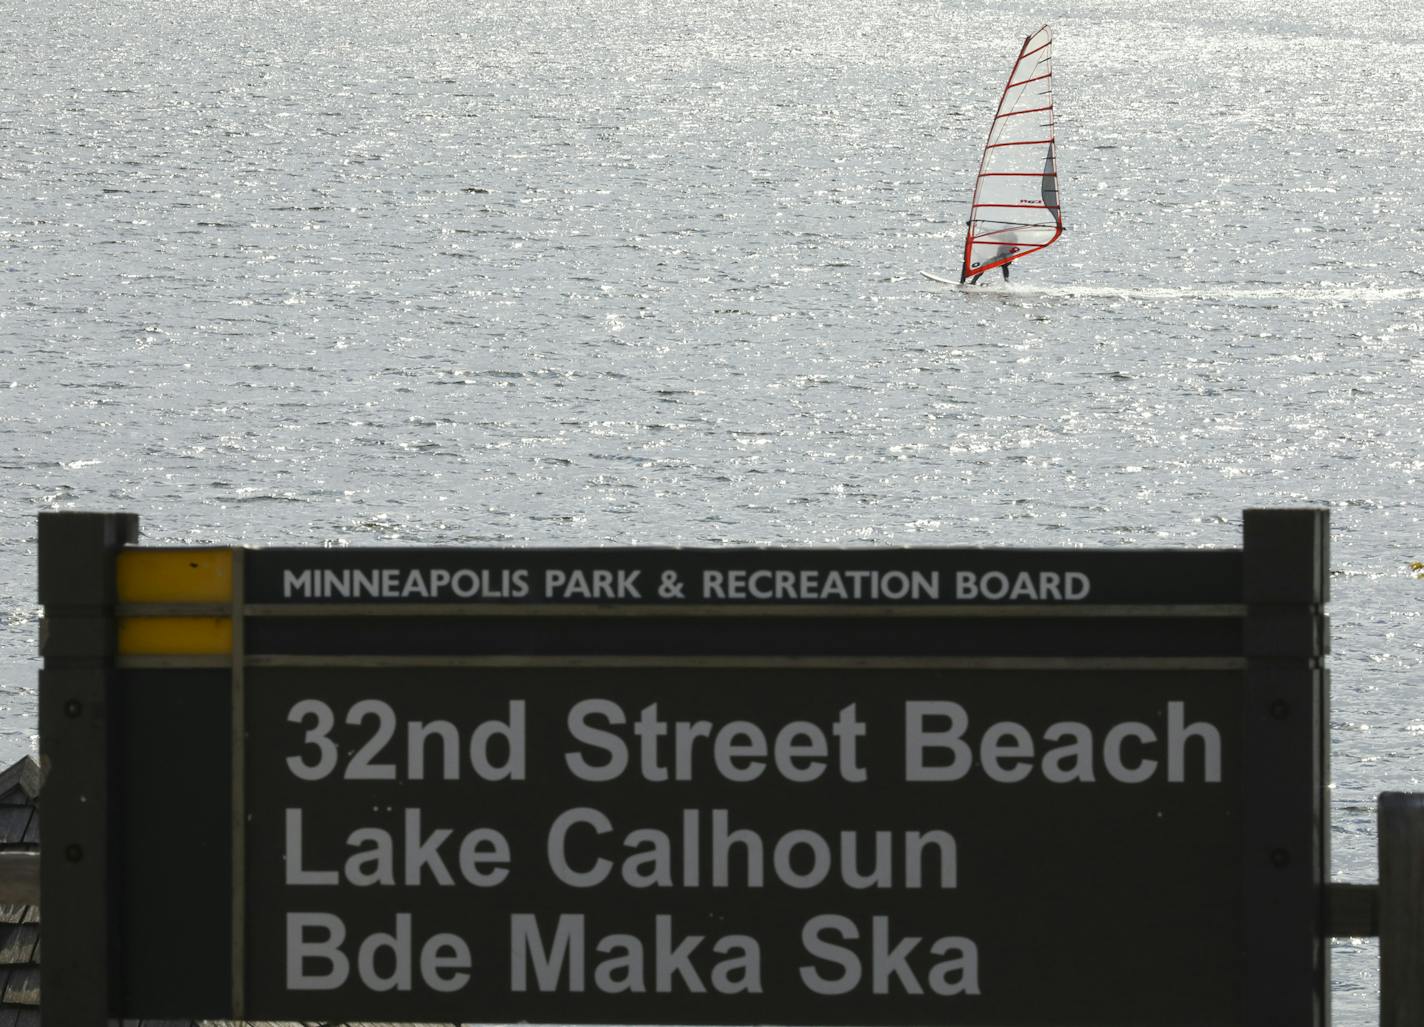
[983, 786]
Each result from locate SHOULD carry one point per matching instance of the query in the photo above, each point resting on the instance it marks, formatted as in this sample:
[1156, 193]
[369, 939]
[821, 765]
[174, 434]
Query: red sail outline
[989, 224]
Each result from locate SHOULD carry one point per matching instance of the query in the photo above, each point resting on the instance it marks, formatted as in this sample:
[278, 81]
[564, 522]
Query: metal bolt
[1280, 858]
[1280, 709]
[73, 708]
[74, 853]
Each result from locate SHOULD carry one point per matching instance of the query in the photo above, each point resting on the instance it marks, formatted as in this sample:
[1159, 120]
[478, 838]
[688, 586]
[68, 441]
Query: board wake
[1215, 294]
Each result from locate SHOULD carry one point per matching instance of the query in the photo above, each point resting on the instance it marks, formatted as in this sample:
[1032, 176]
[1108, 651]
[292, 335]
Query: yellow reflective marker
[175, 636]
[175, 575]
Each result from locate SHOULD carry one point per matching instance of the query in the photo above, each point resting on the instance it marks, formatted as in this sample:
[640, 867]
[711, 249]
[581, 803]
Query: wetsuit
[1002, 267]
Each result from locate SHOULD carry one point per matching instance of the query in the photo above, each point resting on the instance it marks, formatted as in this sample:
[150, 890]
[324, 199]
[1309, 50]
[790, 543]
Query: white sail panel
[1016, 210]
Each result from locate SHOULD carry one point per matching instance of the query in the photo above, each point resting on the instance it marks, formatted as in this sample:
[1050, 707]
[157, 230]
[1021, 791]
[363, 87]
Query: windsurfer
[1004, 267]
[1014, 210]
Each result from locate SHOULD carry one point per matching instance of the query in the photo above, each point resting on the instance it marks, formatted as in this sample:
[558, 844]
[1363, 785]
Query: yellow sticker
[175, 636]
[175, 575]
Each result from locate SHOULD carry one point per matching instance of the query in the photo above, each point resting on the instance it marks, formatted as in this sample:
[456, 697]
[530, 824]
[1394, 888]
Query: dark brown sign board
[664, 786]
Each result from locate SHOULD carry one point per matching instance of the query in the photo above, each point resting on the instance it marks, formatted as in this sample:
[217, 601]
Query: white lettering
[525, 943]
[384, 960]
[606, 741]
[1039, 586]
[677, 962]
[1112, 753]
[558, 847]
[827, 937]
[817, 947]
[512, 731]
[292, 851]
[940, 746]
[1177, 734]
[328, 950]
[918, 739]
[738, 751]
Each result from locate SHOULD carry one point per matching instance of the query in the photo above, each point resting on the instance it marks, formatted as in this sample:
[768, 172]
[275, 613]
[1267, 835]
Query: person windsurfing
[1004, 267]
[1014, 210]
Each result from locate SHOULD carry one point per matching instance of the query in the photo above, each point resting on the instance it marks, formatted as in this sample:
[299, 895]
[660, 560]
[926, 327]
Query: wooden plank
[14, 820]
[1401, 857]
[23, 988]
[17, 943]
[20, 878]
[19, 913]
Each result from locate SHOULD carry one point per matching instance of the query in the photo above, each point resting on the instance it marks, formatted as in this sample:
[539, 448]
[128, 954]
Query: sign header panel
[742, 576]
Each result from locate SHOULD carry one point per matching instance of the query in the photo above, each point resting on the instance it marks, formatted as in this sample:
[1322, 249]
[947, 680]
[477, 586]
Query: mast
[1015, 210]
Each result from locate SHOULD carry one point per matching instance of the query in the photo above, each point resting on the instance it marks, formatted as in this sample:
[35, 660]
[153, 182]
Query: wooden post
[1401, 909]
[1286, 567]
[78, 754]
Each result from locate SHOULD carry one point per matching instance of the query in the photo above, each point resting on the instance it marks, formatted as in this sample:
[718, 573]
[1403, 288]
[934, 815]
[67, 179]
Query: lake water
[503, 273]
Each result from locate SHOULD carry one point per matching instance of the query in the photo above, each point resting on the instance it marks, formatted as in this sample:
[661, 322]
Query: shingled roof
[20, 922]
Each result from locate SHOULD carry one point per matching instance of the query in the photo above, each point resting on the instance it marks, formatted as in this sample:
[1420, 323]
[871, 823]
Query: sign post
[79, 751]
[650, 786]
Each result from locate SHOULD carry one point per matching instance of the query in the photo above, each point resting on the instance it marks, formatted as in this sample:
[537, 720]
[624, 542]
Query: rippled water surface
[602, 274]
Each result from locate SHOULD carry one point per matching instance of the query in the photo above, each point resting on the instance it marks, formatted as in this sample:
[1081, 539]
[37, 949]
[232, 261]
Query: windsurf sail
[1015, 210]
